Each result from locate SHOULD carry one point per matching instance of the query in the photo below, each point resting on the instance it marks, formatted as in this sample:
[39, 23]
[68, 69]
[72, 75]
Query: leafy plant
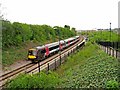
[40, 80]
[112, 84]
[89, 68]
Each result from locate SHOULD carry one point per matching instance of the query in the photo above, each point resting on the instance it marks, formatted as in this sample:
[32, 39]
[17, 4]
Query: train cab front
[32, 53]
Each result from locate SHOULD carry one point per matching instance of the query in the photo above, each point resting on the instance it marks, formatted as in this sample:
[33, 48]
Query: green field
[102, 36]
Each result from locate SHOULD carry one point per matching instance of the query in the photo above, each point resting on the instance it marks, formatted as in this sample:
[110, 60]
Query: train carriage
[41, 52]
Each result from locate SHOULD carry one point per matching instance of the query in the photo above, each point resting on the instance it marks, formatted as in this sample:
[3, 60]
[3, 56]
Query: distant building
[86, 30]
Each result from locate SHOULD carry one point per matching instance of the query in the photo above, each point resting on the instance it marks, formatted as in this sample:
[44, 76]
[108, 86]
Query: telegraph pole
[110, 33]
[58, 32]
[110, 39]
[101, 35]
[59, 46]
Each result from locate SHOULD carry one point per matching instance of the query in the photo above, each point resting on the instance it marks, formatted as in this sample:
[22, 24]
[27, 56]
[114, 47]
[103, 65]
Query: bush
[89, 68]
[112, 84]
[13, 34]
[40, 80]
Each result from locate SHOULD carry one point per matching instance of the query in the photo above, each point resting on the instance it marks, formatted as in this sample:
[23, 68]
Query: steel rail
[14, 70]
[57, 55]
[13, 73]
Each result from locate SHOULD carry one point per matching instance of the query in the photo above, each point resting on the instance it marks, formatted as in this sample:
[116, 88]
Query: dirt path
[18, 63]
[13, 66]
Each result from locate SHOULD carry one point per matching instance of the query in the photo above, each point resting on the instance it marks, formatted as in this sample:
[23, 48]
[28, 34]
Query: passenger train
[39, 53]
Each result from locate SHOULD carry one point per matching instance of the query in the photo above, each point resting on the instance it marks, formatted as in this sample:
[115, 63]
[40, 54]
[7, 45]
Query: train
[40, 53]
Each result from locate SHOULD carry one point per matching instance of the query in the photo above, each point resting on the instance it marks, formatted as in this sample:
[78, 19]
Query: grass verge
[13, 54]
[91, 67]
[40, 80]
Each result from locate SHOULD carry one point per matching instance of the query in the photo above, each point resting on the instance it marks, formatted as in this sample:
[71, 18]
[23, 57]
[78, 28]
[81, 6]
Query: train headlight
[31, 57]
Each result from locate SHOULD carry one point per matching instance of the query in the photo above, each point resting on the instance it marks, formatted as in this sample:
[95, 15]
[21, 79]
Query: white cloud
[81, 14]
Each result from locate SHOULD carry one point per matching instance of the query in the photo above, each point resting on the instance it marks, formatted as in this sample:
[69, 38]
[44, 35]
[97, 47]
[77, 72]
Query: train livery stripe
[47, 51]
[60, 46]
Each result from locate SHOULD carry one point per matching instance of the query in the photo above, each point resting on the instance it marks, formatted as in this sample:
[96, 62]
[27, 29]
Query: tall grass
[40, 80]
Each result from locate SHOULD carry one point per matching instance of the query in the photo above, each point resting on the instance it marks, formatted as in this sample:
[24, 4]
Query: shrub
[112, 84]
[40, 80]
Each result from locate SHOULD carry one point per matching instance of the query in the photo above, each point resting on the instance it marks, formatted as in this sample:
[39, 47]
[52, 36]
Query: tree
[67, 26]
[74, 29]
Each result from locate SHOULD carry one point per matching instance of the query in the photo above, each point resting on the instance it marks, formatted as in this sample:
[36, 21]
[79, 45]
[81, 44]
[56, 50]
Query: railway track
[55, 58]
[28, 68]
[9, 75]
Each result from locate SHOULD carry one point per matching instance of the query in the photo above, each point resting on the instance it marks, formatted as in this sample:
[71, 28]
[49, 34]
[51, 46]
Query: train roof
[49, 45]
[52, 44]
[32, 49]
[69, 39]
[40, 47]
[55, 43]
[76, 36]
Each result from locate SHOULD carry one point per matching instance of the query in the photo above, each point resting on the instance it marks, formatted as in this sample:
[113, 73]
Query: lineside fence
[111, 48]
[58, 61]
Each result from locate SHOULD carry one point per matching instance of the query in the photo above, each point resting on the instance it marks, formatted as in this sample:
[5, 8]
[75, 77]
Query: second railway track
[8, 75]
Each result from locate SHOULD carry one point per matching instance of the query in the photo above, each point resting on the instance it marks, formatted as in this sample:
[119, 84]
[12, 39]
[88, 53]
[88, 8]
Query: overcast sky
[81, 14]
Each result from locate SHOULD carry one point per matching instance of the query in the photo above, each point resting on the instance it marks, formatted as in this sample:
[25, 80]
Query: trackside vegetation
[102, 36]
[40, 80]
[89, 67]
[14, 34]
[17, 38]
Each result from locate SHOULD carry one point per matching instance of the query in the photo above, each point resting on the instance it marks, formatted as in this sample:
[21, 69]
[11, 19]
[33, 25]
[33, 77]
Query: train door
[47, 51]
[41, 54]
[60, 46]
[68, 42]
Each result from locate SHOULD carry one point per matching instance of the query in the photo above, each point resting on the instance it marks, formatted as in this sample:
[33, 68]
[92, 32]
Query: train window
[72, 40]
[43, 51]
[62, 44]
[68, 42]
[29, 52]
[53, 47]
[32, 52]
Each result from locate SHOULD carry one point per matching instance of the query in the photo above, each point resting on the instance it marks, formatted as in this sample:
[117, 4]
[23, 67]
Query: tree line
[14, 34]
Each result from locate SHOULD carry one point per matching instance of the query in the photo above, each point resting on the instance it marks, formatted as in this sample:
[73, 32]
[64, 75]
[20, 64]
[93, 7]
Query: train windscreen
[31, 52]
